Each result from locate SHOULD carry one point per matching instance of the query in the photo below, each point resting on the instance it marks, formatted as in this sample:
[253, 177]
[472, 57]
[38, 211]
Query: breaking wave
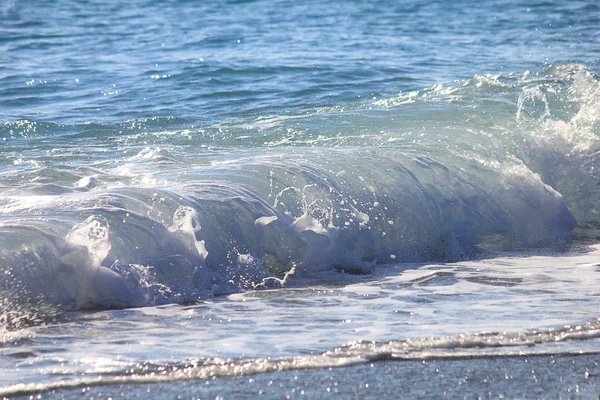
[441, 174]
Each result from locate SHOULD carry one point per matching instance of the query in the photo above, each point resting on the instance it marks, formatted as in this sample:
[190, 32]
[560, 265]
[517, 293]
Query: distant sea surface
[278, 198]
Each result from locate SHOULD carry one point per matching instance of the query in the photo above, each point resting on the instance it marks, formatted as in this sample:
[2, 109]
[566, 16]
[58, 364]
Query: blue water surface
[104, 62]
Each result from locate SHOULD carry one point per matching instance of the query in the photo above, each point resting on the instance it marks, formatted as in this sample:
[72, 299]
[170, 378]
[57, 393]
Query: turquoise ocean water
[244, 198]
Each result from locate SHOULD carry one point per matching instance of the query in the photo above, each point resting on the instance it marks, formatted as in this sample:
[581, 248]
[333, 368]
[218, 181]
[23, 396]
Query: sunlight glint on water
[280, 185]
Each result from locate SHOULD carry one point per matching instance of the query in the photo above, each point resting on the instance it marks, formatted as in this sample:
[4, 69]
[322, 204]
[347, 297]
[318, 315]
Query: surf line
[444, 348]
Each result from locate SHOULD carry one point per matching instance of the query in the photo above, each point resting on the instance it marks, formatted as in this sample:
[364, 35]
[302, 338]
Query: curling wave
[442, 174]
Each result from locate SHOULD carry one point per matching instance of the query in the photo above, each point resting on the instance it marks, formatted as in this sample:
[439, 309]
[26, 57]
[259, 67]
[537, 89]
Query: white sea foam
[168, 225]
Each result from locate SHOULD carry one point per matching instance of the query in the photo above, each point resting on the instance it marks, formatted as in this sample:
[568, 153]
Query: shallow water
[505, 306]
[563, 376]
[196, 191]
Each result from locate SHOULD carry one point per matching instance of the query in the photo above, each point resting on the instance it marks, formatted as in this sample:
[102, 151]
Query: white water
[505, 305]
[443, 233]
[508, 163]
